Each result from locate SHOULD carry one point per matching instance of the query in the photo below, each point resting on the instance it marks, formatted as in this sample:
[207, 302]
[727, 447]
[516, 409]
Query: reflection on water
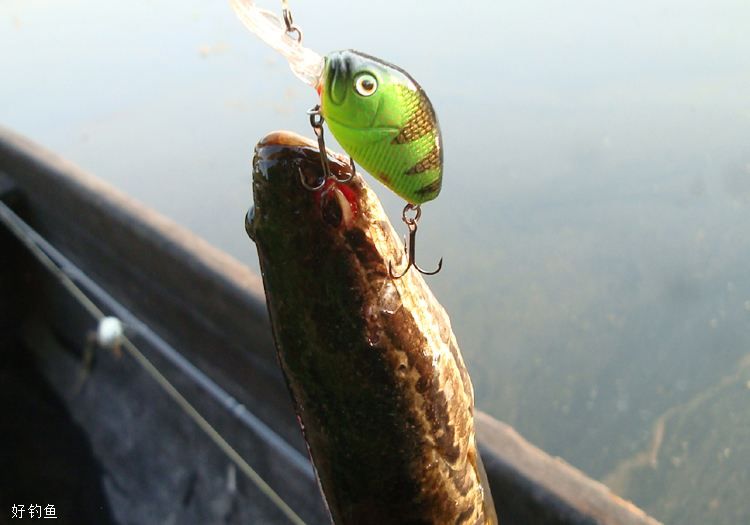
[593, 218]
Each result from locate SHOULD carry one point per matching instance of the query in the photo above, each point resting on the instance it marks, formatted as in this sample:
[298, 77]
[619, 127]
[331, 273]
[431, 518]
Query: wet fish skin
[376, 375]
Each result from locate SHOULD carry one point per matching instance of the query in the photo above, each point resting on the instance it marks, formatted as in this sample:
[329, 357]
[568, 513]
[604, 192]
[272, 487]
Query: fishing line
[30, 239]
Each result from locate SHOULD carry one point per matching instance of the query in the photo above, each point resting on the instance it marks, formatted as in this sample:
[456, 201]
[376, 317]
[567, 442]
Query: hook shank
[316, 121]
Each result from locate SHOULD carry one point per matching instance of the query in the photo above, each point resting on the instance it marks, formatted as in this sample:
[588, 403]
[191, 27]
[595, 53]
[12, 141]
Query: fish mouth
[293, 147]
[284, 159]
[284, 138]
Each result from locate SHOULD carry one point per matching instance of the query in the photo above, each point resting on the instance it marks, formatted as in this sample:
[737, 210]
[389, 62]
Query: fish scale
[379, 160]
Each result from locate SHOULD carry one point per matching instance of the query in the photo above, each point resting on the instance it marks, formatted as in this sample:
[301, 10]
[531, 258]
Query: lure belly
[384, 120]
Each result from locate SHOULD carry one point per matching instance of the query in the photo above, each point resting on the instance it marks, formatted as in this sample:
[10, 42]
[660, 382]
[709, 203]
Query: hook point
[411, 223]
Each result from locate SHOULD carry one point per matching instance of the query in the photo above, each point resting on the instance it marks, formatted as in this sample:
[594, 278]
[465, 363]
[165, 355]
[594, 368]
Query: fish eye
[366, 84]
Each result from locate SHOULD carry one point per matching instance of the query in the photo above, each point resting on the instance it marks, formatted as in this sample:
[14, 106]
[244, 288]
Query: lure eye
[366, 84]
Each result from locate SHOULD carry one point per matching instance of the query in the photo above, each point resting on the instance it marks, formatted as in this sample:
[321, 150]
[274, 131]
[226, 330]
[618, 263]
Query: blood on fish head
[338, 203]
[283, 205]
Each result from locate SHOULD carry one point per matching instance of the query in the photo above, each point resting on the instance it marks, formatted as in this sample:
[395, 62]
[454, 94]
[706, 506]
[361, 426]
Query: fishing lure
[377, 112]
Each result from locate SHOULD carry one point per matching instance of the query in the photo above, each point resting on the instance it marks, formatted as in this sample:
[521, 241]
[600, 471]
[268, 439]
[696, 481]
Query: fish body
[384, 120]
[375, 372]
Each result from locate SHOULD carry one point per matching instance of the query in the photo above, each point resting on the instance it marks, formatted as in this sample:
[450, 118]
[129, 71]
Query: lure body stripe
[392, 132]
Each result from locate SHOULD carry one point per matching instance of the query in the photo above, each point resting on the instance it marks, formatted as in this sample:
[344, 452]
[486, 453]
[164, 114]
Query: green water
[594, 217]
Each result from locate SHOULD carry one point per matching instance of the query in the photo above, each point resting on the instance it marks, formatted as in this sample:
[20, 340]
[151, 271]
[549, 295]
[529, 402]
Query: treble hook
[411, 223]
[316, 121]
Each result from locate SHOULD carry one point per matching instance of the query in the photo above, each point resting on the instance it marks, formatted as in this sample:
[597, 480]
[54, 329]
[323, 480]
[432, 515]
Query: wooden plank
[530, 486]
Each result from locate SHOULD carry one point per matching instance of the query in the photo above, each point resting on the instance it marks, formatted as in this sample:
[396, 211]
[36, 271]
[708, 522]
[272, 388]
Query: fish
[379, 385]
[382, 118]
[378, 113]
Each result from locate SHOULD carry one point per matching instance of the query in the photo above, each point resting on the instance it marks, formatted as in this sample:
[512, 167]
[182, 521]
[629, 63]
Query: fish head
[283, 207]
[363, 93]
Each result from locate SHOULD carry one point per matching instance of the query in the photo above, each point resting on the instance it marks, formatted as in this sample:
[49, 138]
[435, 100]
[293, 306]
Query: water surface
[594, 217]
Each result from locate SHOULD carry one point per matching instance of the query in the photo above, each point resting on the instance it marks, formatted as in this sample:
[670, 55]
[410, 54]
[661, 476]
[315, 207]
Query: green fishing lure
[377, 112]
[384, 120]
